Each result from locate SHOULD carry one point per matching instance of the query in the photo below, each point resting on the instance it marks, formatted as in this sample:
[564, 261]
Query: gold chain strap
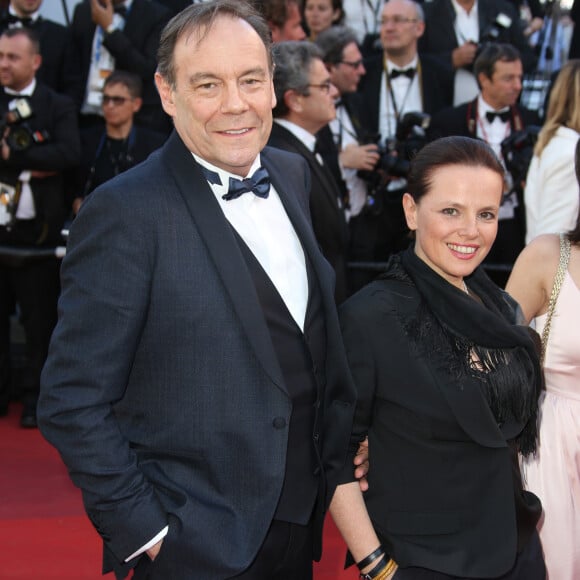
[558, 280]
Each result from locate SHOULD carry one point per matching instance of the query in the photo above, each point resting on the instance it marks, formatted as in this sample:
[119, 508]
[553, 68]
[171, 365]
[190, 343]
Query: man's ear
[165, 93]
[294, 100]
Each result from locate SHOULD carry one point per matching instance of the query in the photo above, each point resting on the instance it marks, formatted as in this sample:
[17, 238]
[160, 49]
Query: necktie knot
[258, 183]
[407, 72]
[503, 115]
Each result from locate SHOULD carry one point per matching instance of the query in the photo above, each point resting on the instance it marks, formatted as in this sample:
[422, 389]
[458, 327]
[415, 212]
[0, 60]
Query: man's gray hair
[292, 62]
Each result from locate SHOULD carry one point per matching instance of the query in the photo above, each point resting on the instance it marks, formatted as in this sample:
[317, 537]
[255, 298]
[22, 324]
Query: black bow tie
[504, 116]
[397, 72]
[13, 19]
[258, 183]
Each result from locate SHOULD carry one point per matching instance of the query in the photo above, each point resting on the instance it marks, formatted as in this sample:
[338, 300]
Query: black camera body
[20, 136]
[517, 150]
[395, 157]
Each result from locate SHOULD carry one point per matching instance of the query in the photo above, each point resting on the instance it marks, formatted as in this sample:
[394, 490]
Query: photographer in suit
[455, 31]
[57, 68]
[493, 116]
[40, 141]
[118, 34]
[121, 144]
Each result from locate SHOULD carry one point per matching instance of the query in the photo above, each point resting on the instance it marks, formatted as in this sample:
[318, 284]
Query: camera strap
[398, 110]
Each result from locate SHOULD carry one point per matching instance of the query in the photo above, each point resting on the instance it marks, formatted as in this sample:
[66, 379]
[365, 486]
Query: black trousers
[529, 565]
[35, 288]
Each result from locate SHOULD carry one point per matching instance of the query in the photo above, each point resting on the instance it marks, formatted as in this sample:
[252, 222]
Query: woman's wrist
[382, 571]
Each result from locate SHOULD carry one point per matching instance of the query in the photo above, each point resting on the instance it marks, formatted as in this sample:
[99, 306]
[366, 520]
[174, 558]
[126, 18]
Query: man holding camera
[456, 30]
[494, 116]
[399, 82]
[39, 142]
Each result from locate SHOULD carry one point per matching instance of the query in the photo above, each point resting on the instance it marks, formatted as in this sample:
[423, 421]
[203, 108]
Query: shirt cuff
[149, 544]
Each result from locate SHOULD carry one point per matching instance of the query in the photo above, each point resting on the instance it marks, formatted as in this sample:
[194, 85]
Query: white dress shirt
[466, 28]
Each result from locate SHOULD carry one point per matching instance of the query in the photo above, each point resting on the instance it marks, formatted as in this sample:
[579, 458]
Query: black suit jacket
[436, 83]
[440, 40]
[58, 70]
[328, 219]
[441, 490]
[176, 408]
[134, 49]
[61, 151]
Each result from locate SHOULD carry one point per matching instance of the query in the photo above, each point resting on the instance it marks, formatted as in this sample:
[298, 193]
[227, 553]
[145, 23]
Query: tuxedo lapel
[224, 251]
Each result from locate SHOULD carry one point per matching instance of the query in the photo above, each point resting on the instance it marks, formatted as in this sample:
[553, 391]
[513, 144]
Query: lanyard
[374, 10]
[398, 110]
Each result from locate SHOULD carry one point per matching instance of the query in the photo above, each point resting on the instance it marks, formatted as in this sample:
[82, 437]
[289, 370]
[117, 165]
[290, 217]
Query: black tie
[503, 115]
[258, 183]
[407, 72]
[13, 19]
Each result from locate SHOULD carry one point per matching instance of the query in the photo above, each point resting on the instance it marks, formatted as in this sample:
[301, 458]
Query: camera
[517, 150]
[493, 31]
[20, 136]
[395, 158]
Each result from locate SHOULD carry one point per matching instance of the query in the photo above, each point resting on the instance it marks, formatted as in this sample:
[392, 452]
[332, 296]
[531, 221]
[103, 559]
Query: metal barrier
[18, 256]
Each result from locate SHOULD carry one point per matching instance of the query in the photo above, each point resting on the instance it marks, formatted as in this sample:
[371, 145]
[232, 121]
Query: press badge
[7, 204]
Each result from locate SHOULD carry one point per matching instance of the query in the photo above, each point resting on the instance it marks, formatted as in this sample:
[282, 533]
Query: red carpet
[44, 534]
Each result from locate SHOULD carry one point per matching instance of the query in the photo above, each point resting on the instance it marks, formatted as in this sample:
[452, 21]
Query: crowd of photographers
[78, 106]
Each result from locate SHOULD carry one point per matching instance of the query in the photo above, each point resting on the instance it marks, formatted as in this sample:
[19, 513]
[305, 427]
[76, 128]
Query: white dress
[554, 475]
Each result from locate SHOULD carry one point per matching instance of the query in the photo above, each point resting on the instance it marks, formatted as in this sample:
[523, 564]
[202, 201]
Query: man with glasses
[399, 81]
[121, 144]
[341, 144]
[305, 104]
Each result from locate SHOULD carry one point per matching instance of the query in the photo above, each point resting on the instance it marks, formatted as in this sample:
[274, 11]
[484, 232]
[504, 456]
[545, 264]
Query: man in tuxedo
[457, 30]
[57, 68]
[40, 141]
[284, 19]
[340, 144]
[121, 144]
[493, 116]
[399, 82]
[118, 34]
[197, 387]
[304, 105]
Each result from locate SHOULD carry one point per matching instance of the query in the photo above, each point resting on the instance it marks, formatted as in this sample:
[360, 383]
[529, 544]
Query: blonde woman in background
[554, 473]
[551, 193]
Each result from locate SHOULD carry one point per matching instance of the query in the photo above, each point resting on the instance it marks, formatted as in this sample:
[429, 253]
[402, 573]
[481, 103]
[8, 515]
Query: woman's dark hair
[574, 235]
[449, 151]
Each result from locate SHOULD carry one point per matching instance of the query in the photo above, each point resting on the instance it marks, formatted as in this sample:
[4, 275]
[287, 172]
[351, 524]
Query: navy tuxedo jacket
[162, 389]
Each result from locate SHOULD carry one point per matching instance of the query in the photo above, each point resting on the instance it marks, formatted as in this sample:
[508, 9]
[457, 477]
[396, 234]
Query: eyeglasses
[354, 64]
[114, 100]
[324, 87]
[397, 20]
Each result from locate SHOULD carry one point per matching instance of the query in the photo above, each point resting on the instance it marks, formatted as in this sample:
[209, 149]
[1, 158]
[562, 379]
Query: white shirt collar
[391, 65]
[308, 139]
[26, 91]
[225, 175]
[34, 16]
[483, 107]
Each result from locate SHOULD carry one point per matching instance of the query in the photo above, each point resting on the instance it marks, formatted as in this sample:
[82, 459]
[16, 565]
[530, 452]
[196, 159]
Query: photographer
[457, 30]
[39, 141]
[494, 117]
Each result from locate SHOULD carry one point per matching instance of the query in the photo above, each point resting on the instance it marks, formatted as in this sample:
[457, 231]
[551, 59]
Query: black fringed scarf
[507, 363]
